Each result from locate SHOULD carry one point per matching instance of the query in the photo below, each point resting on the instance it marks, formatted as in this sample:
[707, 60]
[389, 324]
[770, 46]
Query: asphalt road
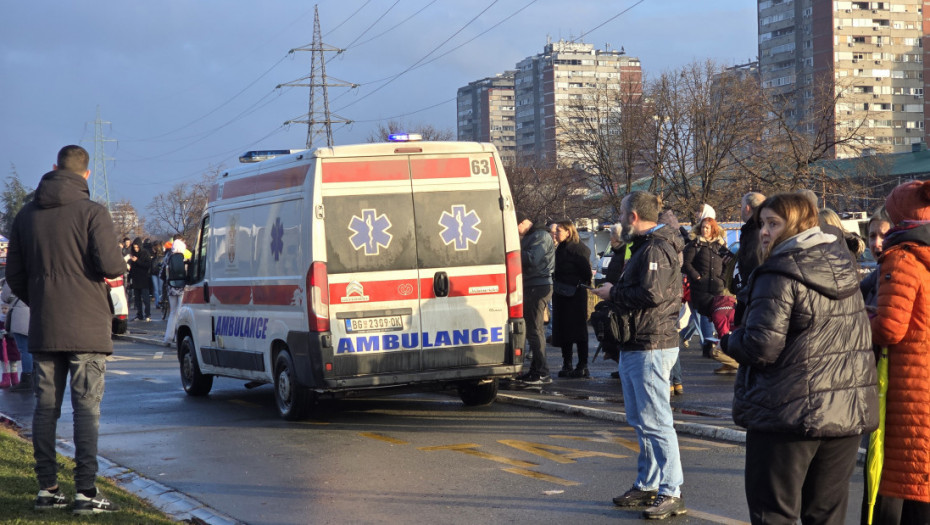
[420, 458]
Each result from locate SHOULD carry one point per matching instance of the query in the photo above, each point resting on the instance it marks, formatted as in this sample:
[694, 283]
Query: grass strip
[18, 490]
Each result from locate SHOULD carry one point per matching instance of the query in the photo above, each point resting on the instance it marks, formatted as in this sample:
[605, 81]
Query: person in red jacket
[902, 324]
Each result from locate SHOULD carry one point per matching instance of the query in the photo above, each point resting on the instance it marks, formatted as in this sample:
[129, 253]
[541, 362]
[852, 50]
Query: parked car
[119, 305]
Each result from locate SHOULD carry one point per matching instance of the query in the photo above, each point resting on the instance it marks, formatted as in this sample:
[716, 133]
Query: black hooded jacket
[650, 289]
[62, 246]
[804, 344]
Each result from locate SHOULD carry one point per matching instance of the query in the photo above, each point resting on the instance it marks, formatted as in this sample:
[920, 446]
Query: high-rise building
[869, 52]
[486, 113]
[548, 85]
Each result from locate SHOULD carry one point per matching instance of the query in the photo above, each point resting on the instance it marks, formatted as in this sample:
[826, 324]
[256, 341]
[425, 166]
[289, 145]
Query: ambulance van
[355, 269]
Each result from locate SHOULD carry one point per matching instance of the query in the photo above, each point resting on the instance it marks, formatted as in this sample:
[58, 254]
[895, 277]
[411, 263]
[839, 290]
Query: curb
[174, 504]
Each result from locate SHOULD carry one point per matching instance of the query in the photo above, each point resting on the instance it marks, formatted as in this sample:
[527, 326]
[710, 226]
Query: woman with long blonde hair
[704, 263]
[806, 386]
[569, 300]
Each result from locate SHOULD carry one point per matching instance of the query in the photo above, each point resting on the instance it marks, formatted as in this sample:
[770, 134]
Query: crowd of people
[786, 314]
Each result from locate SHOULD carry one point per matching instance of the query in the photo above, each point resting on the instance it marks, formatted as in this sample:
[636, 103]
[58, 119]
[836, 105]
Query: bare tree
[126, 219]
[548, 193]
[427, 131]
[705, 119]
[13, 197]
[179, 210]
[600, 135]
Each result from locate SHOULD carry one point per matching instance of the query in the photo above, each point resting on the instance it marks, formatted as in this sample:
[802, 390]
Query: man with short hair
[649, 289]
[537, 252]
[61, 247]
[749, 256]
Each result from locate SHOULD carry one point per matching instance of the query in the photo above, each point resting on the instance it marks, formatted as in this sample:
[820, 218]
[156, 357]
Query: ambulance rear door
[372, 266]
[461, 262]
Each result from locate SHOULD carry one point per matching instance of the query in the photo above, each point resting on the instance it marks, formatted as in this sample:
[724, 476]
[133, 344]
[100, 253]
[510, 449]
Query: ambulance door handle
[206, 293]
[441, 284]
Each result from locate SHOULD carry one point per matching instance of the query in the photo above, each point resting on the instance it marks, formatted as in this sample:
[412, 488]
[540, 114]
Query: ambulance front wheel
[195, 383]
[478, 393]
[293, 400]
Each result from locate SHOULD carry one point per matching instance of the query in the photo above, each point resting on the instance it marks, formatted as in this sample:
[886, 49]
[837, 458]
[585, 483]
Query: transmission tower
[319, 120]
[100, 188]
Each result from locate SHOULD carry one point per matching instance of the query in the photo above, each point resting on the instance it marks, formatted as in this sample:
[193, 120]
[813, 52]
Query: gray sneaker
[51, 500]
[663, 507]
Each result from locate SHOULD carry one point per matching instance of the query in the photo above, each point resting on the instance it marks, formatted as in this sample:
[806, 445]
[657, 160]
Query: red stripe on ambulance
[374, 291]
[268, 295]
[365, 171]
[275, 180]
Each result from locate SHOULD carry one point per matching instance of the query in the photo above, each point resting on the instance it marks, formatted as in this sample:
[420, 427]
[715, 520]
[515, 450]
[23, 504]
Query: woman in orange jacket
[902, 324]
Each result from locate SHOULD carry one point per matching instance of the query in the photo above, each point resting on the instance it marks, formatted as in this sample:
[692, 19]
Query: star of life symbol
[370, 232]
[460, 227]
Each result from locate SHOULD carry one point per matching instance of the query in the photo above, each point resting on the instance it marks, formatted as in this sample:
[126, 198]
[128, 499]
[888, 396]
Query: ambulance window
[459, 228]
[200, 257]
[366, 233]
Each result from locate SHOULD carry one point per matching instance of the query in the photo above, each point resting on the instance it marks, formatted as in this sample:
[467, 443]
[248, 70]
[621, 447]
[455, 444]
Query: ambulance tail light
[318, 297]
[515, 284]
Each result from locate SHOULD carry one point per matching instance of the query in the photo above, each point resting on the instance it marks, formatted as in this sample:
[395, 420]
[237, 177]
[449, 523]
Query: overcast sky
[188, 85]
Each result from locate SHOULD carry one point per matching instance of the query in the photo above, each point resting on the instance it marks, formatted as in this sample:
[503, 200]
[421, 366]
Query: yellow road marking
[542, 450]
[542, 477]
[469, 448]
[118, 372]
[381, 437]
[122, 358]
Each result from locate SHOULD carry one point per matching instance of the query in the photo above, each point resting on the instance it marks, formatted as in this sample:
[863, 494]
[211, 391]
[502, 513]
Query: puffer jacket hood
[796, 257]
[60, 187]
[804, 345]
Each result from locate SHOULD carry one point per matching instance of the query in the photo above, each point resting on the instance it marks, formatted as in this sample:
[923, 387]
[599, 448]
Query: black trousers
[790, 477]
[535, 299]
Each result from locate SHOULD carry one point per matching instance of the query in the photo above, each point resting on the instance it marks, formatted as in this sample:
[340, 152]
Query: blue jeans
[645, 379]
[87, 381]
[156, 289]
[22, 343]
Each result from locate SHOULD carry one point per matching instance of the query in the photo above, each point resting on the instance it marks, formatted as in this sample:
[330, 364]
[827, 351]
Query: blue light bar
[404, 137]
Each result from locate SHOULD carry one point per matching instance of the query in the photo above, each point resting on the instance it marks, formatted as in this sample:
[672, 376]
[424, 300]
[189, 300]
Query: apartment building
[870, 53]
[485, 113]
[550, 84]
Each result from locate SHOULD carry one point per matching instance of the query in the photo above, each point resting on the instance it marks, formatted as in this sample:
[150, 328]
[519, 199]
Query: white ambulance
[356, 268]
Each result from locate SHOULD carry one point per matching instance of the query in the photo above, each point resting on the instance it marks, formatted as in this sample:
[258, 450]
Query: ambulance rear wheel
[194, 383]
[293, 401]
[478, 393]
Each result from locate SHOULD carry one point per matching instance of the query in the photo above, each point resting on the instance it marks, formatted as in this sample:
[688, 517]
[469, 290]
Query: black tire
[194, 383]
[478, 394]
[292, 399]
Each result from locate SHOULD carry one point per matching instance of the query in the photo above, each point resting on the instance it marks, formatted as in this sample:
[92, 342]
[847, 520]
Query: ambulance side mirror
[177, 270]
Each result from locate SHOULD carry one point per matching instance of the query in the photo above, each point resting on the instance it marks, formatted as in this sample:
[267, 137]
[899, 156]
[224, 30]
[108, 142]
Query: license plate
[371, 324]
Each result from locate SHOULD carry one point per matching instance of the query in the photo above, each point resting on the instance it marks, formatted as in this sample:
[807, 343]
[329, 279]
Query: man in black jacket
[537, 252]
[749, 256]
[61, 248]
[650, 290]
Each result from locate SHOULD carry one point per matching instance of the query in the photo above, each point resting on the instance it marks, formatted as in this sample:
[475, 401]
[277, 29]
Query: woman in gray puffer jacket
[805, 390]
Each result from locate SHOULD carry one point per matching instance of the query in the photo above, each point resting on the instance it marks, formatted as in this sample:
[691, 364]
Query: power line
[217, 108]
[402, 115]
[395, 26]
[463, 44]
[395, 77]
[373, 24]
[605, 22]
[348, 18]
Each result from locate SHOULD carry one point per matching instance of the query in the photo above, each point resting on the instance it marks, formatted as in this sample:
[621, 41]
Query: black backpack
[612, 328]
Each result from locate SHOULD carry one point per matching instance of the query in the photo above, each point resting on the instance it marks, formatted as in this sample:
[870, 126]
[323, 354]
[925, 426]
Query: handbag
[563, 289]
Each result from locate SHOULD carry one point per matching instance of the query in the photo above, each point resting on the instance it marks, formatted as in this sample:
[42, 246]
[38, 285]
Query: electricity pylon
[100, 187]
[319, 121]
